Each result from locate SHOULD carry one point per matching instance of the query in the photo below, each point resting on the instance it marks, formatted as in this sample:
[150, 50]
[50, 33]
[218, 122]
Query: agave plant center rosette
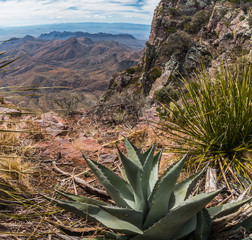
[149, 207]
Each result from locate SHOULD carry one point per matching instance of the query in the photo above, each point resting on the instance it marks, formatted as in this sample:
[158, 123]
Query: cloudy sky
[33, 12]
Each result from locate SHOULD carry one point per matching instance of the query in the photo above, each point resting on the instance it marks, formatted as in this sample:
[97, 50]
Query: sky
[35, 12]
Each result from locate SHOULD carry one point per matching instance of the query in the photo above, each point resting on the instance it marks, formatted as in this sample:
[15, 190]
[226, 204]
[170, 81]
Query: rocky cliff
[185, 34]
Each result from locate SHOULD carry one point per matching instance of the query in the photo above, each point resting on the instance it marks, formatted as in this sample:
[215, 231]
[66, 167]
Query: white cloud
[31, 12]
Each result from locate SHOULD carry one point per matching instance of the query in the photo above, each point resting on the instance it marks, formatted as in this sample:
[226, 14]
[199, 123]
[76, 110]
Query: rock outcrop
[184, 34]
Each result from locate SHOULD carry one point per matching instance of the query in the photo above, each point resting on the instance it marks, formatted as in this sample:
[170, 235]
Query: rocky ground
[56, 146]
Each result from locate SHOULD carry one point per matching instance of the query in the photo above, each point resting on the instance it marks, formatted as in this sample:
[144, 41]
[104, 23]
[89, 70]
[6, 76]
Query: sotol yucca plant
[213, 118]
[149, 207]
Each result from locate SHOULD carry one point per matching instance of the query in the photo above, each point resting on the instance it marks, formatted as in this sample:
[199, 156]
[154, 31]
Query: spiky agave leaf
[119, 190]
[161, 195]
[81, 199]
[97, 214]
[171, 223]
[183, 189]
[134, 173]
[226, 209]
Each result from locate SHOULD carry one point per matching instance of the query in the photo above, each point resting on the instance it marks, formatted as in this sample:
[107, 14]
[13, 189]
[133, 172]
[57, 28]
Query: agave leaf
[245, 181]
[226, 209]
[132, 152]
[133, 173]
[170, 225]
[204, 225]
[118, 189]
[246, 223]
[143, 156]
[93, 212]
[183, 189]
[81, 199]
[187, 228]
[154, 173]
[161, 195]
[128, 215]
[147, 168]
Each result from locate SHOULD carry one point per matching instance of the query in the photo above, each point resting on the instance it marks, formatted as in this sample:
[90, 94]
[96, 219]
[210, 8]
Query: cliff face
[184, 34]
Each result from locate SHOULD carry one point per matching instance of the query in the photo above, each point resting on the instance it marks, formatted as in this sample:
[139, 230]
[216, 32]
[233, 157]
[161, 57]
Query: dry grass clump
[16, 173]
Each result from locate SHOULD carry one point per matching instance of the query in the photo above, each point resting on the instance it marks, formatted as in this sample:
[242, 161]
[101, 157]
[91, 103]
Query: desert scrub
[213, 119]
[133, 70]
[148, 206]
[174, 11]
[177, 42]
[199, 20]
[250, 21]
[166, 94]
[155, 73]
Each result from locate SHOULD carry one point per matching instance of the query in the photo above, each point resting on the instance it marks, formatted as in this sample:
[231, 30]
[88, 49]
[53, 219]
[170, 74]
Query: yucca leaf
[170, 225]
[132, 152]
[128, 215]
[162, 193]
[204, 225]
[134, 173]
[81, 199]
[118, 189]
[90, 211]
[226, 209]
[183, 189]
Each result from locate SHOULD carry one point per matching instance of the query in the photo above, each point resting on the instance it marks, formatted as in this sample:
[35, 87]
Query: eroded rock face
[184, 34]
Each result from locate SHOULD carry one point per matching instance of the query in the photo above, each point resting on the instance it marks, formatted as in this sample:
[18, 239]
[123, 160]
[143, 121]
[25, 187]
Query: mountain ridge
[79, 64]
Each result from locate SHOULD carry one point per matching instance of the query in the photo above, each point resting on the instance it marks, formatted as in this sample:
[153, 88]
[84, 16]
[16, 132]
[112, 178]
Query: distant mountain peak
[29, 37]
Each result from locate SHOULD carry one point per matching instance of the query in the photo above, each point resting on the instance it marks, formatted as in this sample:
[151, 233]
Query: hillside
[81, 64]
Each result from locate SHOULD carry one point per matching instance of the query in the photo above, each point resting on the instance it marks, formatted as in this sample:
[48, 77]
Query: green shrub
[241, 18]
[166, 94]
[133, 70]
[177, 42]
[215, 118]
[250, 21]
[149, 207]
[174, 11]
[155, 73]
[198, 20]
[172, 30]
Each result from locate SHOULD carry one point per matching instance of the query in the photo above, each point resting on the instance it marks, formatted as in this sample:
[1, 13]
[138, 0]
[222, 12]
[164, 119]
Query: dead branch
[82, 183]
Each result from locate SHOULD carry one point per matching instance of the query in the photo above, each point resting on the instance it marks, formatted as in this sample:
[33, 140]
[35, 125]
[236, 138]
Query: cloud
[31, 12]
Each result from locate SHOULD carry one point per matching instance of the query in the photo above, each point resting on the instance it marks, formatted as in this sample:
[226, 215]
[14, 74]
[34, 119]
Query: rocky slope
[184, 34]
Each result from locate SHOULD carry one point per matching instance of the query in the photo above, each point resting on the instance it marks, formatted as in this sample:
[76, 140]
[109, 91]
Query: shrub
[177, 42]
[174, 11]
[149, 207]
[215, 118]
[198, 20]
[133, 70]
[250, 21]
[166, 94]
[155, 73]
[69, 104]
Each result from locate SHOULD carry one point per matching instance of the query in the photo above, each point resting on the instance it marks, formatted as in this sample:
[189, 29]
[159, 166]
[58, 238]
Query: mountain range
[139, 31]
[79, 64]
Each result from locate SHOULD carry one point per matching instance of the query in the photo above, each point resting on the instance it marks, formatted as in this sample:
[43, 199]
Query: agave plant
[149, 207]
